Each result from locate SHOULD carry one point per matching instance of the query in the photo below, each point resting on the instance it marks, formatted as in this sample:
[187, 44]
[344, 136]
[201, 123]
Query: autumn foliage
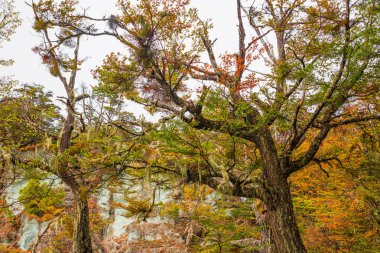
[279, 159]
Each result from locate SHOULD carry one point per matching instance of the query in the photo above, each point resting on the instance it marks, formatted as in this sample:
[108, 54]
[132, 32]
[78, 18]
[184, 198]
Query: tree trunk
[67, 130]
[277, 198]
[282, 223]
[260, 211]
[82, 238]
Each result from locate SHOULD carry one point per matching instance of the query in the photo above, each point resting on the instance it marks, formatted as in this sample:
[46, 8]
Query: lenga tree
[321, 61]
[55, 54]
[89, 152]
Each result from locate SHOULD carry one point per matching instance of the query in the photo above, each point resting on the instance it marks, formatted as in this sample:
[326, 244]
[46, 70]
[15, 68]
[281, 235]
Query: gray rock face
[124, 234]
[12, 194]
[153, 238]
[30, 229]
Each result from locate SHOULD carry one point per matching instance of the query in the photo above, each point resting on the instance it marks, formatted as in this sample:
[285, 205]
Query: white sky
[29, 69]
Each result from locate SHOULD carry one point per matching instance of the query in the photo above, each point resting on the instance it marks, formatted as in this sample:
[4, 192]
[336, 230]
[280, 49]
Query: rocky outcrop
[153, 238]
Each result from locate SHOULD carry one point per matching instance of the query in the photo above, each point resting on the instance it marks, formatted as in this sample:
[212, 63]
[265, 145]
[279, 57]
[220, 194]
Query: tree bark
[68, 127]
[282, 223]
[262, 222]
[277, 197]
[82, 238]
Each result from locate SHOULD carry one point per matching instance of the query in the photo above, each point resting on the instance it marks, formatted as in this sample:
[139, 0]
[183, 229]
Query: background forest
[236, 157]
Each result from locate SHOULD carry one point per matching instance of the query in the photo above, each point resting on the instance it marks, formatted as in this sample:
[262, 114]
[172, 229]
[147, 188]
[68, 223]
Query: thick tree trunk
[82, 238]
[277, 198]
[282, 223]
[265, 234]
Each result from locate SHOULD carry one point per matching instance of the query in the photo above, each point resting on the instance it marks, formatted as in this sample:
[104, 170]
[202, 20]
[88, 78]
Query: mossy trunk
[277, 198]
[82, 236]
[282, 223]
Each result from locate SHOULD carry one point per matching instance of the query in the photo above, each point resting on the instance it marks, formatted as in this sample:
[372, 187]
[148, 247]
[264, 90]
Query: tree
[323, 60]
[40, 198]
[27, 113]
[89, 151]
[9, 21]
[326, 60]
[59, 64]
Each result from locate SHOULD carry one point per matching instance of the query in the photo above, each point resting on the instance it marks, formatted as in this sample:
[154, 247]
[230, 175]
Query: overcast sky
[29, 69]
